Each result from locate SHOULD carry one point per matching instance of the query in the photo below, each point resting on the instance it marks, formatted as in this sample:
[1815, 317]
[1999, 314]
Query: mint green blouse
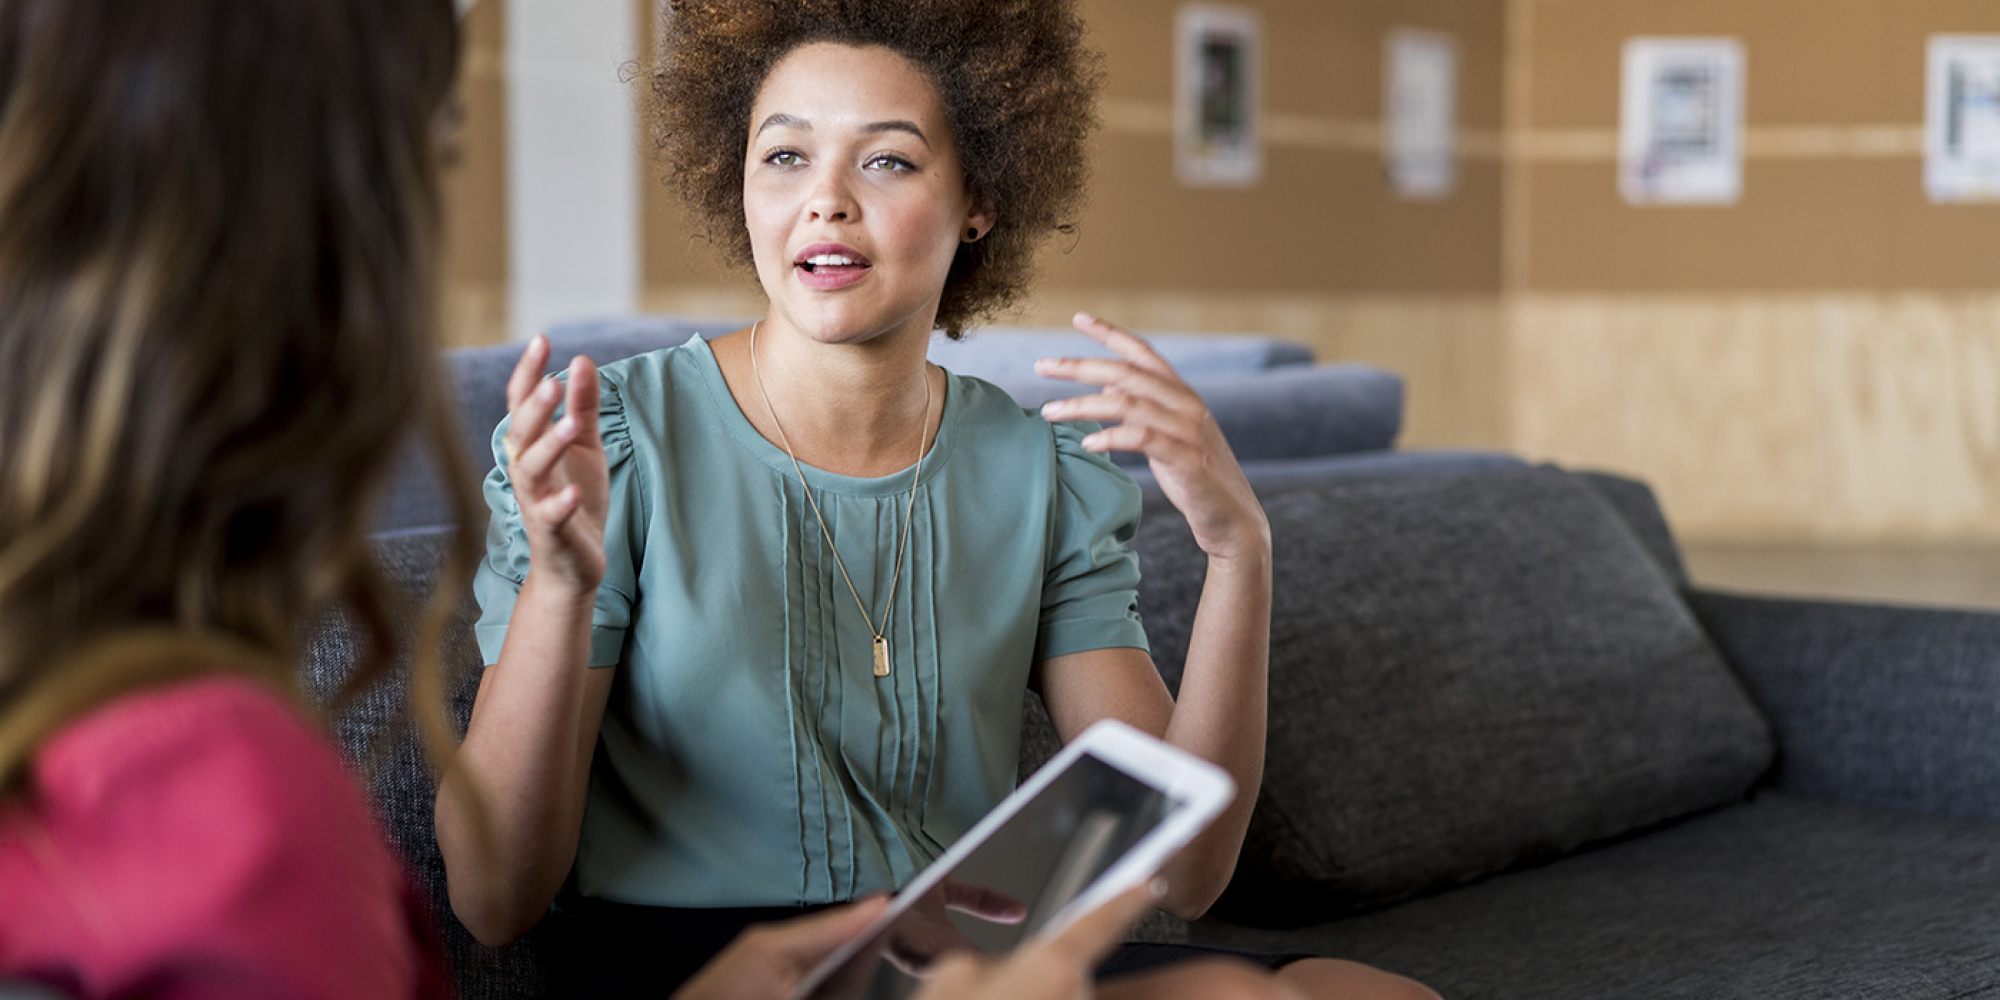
[749, 756]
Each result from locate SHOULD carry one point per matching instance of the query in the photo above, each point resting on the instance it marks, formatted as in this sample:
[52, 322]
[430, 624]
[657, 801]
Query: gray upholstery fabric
[1009, 353]
[1466, 673]
[1884, 706]
[1779, 898]
[1634, 502]
[378, 742]
[1272, 475]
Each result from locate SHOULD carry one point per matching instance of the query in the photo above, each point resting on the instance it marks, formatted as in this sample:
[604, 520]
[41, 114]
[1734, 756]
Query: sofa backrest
[1270, 403]
[1006, 355]
[1467, 673]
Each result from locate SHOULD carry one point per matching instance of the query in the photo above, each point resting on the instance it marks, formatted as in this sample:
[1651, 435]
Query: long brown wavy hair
[219, 232]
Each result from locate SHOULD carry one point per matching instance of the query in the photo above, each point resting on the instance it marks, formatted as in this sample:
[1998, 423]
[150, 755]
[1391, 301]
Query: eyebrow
[793, 121]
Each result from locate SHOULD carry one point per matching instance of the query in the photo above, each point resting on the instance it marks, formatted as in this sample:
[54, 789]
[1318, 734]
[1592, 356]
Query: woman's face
[853, 193]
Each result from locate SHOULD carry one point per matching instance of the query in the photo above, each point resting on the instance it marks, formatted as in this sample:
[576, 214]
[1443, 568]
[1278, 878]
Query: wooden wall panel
[1322, 221]
[1833, 194]
[475, 188]
[1760, 417]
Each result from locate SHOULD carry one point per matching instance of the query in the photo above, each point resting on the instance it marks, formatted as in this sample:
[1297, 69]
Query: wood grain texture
[1323, 221]
[1774, 417]
[1833, 187]
[474, 268]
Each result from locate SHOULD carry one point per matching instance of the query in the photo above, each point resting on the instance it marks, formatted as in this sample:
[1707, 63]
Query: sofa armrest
[1895, 707]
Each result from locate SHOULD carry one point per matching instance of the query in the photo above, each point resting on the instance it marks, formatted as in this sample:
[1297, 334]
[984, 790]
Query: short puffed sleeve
[497, 585]
[1090, 593]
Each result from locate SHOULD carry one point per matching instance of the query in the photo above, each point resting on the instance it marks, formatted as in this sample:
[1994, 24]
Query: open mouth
[830, 262]
[827, 265]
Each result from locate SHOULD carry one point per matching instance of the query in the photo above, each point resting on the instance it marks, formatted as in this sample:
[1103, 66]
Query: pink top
[202, 840]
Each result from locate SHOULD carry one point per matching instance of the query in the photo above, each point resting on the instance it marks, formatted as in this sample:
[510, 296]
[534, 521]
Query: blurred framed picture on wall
[1420, 97]
[1218, 90]
[1680, 122]
[1962, 119]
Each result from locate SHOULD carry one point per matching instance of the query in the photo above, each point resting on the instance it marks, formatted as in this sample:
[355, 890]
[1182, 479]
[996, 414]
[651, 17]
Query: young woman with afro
[761, 611]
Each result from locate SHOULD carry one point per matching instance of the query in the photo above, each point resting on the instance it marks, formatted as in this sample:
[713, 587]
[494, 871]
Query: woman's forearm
[527, 754]
[1220, 716]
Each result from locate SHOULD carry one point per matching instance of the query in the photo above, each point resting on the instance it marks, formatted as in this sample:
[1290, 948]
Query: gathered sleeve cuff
[1090, 593]
[497, 584]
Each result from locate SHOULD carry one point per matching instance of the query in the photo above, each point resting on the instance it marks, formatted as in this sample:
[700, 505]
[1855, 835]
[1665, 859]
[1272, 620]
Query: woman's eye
[891, 163]
[783, 158]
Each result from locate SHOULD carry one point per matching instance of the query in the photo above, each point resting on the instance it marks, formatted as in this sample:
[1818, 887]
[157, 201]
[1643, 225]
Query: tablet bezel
[1202, 789]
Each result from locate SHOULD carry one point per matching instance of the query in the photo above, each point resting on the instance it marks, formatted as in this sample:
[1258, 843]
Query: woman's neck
[857, 409]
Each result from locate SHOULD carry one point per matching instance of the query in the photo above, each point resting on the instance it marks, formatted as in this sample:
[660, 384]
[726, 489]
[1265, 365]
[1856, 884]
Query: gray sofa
[1513, 751]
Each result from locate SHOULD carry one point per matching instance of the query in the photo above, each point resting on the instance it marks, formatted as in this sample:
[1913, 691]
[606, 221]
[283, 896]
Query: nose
[831, 199]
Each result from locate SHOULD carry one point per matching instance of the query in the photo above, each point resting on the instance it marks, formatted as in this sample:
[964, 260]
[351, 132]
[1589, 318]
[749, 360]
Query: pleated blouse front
[749, 756]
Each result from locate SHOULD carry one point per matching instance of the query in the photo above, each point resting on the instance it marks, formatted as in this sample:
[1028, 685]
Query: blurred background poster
[1680, 130]
[1962, 119]
[1218, 84]
[1420, 96]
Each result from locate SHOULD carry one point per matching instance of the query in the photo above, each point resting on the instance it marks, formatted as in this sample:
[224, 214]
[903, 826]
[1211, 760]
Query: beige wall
[1320, 250]
[1821, 360]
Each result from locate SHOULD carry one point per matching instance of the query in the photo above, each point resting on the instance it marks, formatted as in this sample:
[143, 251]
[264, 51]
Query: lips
[827, 266]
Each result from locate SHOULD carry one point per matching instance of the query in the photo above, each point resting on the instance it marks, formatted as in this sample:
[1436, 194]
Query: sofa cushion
[1298, 411]
[1000, 354]
[1784, 897]
[1466, 673]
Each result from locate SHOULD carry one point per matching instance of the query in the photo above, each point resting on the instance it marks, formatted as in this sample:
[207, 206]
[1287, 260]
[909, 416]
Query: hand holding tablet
[1092, 826]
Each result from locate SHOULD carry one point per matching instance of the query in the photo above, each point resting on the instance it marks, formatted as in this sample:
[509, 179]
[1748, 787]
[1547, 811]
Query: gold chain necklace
[916, 476]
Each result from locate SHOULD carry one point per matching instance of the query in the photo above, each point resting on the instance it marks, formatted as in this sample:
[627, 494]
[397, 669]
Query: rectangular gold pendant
[881, 656]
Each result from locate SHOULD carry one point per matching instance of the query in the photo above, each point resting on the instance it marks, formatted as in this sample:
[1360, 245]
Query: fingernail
[1093, 442]
[1045, 364]
[548, 389]
[566, 426]
[1086, 318]
[1158, 887]
[1054, 408]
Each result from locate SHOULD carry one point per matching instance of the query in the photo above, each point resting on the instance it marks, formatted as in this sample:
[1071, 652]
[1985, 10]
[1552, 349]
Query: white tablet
[1098, 819]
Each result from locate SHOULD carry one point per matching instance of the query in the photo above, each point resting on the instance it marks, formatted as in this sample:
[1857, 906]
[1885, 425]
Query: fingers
[1167, 390]
[529, 419]
[527, 372]
[1122, 342]
[1142, 426]
[984, 902]
[1114, 407]
[533, 445]
[803, 942]
[583, 398]
[1095, 934]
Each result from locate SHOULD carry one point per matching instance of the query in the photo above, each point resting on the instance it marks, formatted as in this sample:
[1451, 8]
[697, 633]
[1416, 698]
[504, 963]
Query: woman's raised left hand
[1159, 416]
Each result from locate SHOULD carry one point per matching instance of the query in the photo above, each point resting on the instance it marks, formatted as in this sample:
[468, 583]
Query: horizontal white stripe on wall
[1286, 129]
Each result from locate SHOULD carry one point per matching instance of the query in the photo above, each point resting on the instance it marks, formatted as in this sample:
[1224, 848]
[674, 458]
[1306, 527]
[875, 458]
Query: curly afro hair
[1019, 87]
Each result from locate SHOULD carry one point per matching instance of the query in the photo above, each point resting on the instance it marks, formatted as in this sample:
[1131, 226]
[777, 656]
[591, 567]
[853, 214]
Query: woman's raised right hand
[558, 469]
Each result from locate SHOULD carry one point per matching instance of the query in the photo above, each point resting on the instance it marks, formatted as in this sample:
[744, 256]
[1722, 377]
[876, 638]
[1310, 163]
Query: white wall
[573, 158]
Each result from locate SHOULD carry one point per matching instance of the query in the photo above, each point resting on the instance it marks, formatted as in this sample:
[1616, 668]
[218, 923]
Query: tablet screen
[1041, 858]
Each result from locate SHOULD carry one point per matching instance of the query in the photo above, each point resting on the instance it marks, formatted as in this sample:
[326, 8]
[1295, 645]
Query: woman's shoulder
[1001, 425]
[223, 720]
[202, 812]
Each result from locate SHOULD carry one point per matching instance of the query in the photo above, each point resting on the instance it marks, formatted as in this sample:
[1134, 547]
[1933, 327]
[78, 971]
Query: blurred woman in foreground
[218, 240]
[218, 245]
